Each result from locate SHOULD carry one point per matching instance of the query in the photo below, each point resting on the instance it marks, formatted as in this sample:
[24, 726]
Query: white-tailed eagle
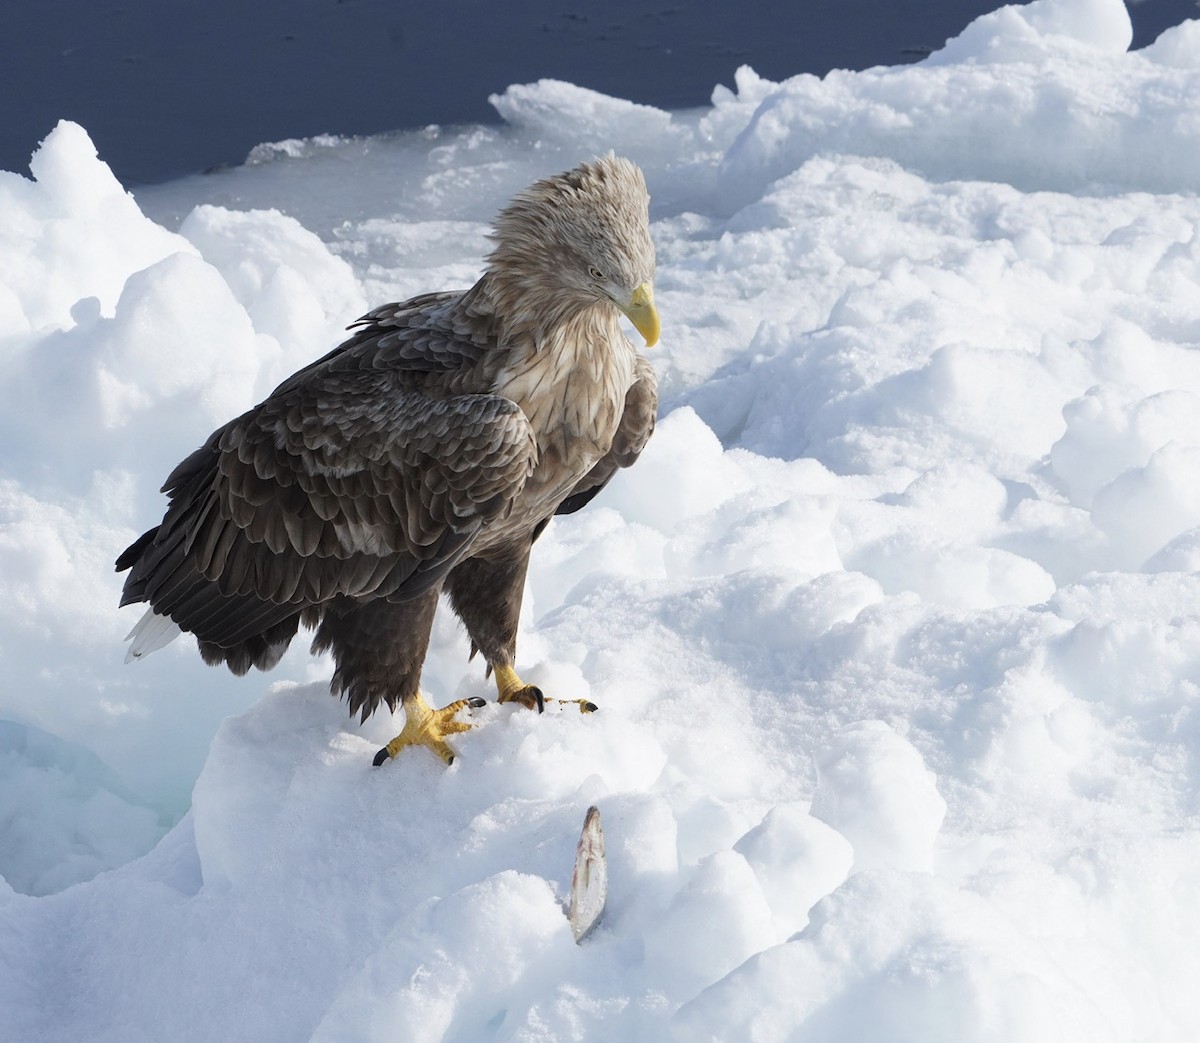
[424, 454]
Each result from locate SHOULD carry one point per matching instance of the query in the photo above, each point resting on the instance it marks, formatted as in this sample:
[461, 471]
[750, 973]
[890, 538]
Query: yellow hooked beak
[642, 313]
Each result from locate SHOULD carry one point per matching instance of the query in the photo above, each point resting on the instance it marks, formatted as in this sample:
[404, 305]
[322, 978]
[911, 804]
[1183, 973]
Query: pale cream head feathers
[577, 239]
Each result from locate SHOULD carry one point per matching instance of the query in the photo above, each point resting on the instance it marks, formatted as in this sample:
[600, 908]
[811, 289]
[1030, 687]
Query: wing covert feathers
[633, 432]
[359, 476]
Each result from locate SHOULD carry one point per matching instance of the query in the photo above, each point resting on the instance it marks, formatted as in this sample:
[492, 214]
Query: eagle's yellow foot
[513, 690]
[425, 726]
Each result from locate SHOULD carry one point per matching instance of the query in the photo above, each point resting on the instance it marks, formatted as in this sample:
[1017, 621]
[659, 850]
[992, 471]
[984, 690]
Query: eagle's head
[579, 240]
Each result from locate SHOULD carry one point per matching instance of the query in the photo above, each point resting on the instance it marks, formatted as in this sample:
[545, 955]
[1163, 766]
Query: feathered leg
[378, 648]
[486, 593]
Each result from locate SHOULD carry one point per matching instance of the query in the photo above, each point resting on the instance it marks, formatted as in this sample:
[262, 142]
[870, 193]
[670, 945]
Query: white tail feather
[149, 634]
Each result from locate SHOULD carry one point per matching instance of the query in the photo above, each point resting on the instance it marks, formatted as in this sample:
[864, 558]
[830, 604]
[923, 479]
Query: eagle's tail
[239, 630]
[149, 634]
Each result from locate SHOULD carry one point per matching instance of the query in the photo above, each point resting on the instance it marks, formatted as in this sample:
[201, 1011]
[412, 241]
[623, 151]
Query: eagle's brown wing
[633, 432]
[419, 335]
[356, 477]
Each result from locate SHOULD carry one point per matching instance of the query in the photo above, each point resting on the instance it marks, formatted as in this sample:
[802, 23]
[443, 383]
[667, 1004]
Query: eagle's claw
[425, 726]
[530, 696]
[512, 689]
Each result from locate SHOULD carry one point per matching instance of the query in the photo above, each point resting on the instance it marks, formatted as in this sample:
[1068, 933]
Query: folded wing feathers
[344, 482]
[633, 432]
[348, 480]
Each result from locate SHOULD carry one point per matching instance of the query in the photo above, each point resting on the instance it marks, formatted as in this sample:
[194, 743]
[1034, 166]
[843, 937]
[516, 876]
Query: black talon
[380, 757]
[475, 702]
[586, 707]
[536, 692]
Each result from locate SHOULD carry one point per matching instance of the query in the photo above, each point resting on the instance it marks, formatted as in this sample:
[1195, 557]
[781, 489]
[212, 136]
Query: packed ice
[894, 628]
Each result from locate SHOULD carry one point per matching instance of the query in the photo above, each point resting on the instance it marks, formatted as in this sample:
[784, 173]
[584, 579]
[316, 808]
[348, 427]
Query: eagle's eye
[595, 272]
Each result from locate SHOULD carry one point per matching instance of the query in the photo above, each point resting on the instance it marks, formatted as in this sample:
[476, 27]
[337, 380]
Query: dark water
[169, 87]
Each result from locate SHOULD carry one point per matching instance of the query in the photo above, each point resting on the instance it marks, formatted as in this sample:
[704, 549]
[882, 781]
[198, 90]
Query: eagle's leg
[379, 648]
[486, 593]
[511, 689]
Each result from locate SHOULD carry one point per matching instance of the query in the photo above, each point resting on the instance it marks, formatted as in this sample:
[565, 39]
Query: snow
[894, 627]
[1043, 96]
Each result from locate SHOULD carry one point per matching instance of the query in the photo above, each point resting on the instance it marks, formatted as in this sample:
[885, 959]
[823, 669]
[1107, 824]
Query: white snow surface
[894, 629]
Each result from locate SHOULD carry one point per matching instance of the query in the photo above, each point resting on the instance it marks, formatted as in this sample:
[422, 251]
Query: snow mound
[71, 233]
[558, 111]
[1042, 96]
